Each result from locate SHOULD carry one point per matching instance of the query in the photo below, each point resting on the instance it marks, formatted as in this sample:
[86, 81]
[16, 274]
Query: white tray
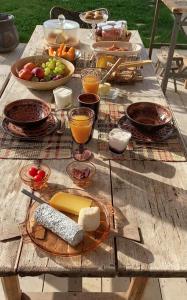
[132, 49]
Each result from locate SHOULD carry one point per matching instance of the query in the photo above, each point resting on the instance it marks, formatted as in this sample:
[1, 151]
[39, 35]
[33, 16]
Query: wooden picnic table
[150, 194]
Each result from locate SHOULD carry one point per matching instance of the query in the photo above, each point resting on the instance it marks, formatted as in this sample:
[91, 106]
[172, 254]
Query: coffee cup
[90, 100]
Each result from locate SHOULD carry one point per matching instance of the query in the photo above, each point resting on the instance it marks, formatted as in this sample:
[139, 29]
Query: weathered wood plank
[176, 6]
[6, 59]
[13, 208]
[11, 288]
[157, 195]
[179, 108]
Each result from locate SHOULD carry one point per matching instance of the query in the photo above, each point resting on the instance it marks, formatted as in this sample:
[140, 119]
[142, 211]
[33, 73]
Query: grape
[53, 68]
[47, 71]
[52, 65]
[58, 63]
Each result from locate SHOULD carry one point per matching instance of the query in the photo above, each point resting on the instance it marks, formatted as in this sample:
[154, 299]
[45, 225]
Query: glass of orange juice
[90, 80]
[81, 121]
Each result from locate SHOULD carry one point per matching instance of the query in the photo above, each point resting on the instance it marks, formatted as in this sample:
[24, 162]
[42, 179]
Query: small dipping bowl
[77, 169]
[148, 116]
[29, 180]
[118, 140]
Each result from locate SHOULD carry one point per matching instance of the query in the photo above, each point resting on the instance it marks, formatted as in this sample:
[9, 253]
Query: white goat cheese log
[60, 224]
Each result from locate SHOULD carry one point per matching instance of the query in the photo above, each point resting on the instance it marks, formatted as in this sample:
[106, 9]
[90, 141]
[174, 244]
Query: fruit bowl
[148, 116]
[38, 61]
[81, 173]
[27, 112]
[36, 177]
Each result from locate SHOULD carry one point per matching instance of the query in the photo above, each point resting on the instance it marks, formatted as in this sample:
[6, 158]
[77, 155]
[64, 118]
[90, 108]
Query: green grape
[43, 65]
[60, 71]
[50, 59]
[52, 65]
[47, 71]
[47, 63]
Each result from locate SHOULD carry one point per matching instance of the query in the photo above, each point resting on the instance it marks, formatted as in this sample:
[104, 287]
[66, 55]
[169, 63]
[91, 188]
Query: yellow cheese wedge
[69, 203]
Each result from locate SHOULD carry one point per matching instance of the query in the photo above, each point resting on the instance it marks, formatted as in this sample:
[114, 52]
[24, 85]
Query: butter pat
[69, 203]
[104, 89]
[89, 218]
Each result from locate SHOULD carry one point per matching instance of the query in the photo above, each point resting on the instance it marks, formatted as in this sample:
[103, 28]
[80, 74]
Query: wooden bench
[6, 60]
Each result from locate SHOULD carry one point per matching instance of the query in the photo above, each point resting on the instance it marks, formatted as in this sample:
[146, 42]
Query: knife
[39, 200]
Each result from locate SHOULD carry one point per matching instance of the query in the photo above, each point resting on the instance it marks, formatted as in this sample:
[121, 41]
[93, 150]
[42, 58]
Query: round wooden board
[54, 245]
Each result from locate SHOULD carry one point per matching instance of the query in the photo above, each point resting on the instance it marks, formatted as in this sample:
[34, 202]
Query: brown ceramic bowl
[38, 60]
[27, 112]
[148, 116]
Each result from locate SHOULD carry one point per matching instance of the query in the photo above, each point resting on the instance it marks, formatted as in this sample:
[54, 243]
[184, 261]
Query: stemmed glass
[81, 121]
[94, 22]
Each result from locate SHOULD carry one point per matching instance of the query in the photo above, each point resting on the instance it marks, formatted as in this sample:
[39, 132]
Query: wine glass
[81, 121]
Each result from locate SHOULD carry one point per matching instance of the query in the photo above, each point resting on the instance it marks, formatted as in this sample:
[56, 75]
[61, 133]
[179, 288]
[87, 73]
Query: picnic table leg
[155, 21]
[175, 30]
[185, 84]
[11, 287]
[136, 288]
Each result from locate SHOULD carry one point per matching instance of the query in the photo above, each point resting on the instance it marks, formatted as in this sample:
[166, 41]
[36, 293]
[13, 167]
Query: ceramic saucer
[148, 137]
[51, 124]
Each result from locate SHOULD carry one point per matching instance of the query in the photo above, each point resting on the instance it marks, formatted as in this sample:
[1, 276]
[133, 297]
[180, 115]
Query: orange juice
[90, 84]
[81, 127]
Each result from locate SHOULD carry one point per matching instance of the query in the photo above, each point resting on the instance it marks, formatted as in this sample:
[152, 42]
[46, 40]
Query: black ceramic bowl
[148, 116]
[27, 112]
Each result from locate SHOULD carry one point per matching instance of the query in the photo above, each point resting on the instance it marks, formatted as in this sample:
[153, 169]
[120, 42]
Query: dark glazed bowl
[27, 112]
[148, 116]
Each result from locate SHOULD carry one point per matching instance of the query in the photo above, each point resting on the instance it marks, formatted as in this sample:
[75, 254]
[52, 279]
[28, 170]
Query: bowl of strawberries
[36, 177]
[42, 72]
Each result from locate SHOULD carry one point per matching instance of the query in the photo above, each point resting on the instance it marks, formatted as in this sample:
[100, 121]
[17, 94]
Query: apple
[29, 66]
[25, 74]
[38, 72]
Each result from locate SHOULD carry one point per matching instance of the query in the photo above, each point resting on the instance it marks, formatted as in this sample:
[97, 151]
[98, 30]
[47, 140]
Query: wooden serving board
[54, 245]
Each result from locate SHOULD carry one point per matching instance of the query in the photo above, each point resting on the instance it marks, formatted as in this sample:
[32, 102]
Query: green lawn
[139, 14]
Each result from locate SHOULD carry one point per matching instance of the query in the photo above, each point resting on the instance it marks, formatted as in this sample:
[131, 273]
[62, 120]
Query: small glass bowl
[29, 180]
[81, 166]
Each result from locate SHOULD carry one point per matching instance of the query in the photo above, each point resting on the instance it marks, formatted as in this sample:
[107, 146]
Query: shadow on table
[167, 171]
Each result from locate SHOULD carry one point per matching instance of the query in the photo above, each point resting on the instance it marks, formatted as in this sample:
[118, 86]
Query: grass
[139, 15]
